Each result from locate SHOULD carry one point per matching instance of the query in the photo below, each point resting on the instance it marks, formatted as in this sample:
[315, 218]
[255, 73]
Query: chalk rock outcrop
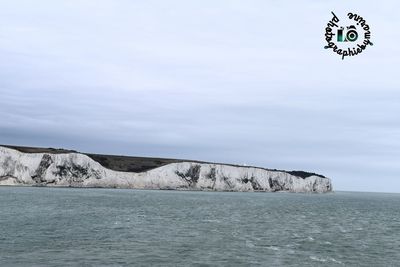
[79, 170]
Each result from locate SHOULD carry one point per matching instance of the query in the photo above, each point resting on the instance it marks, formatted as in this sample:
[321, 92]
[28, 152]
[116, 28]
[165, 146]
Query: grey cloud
[228, 82]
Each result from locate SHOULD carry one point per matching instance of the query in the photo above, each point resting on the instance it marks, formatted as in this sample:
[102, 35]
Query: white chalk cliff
[79, 170]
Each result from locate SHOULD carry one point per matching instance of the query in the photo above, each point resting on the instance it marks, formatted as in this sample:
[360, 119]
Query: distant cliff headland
[59, 167]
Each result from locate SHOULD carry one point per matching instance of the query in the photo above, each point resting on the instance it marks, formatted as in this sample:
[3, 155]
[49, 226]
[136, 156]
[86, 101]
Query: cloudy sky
[245, 82]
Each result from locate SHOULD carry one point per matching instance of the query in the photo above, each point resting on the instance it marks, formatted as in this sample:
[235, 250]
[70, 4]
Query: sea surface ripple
[113, 227]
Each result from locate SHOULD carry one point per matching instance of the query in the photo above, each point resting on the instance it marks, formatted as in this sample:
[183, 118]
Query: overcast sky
[244, 82]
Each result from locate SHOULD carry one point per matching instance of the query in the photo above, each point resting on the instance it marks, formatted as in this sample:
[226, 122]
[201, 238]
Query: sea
[42, 226]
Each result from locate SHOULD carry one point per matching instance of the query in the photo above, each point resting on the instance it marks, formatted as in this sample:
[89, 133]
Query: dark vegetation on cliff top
[137, 164]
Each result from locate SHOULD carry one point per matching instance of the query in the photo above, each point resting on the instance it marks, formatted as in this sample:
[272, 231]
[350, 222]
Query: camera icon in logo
[350, 35]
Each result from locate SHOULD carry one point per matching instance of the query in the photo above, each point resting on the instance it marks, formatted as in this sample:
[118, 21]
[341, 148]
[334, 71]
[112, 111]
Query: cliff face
[79, 170]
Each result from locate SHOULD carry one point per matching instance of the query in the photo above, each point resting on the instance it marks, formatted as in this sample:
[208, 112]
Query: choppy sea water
[111, 227]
